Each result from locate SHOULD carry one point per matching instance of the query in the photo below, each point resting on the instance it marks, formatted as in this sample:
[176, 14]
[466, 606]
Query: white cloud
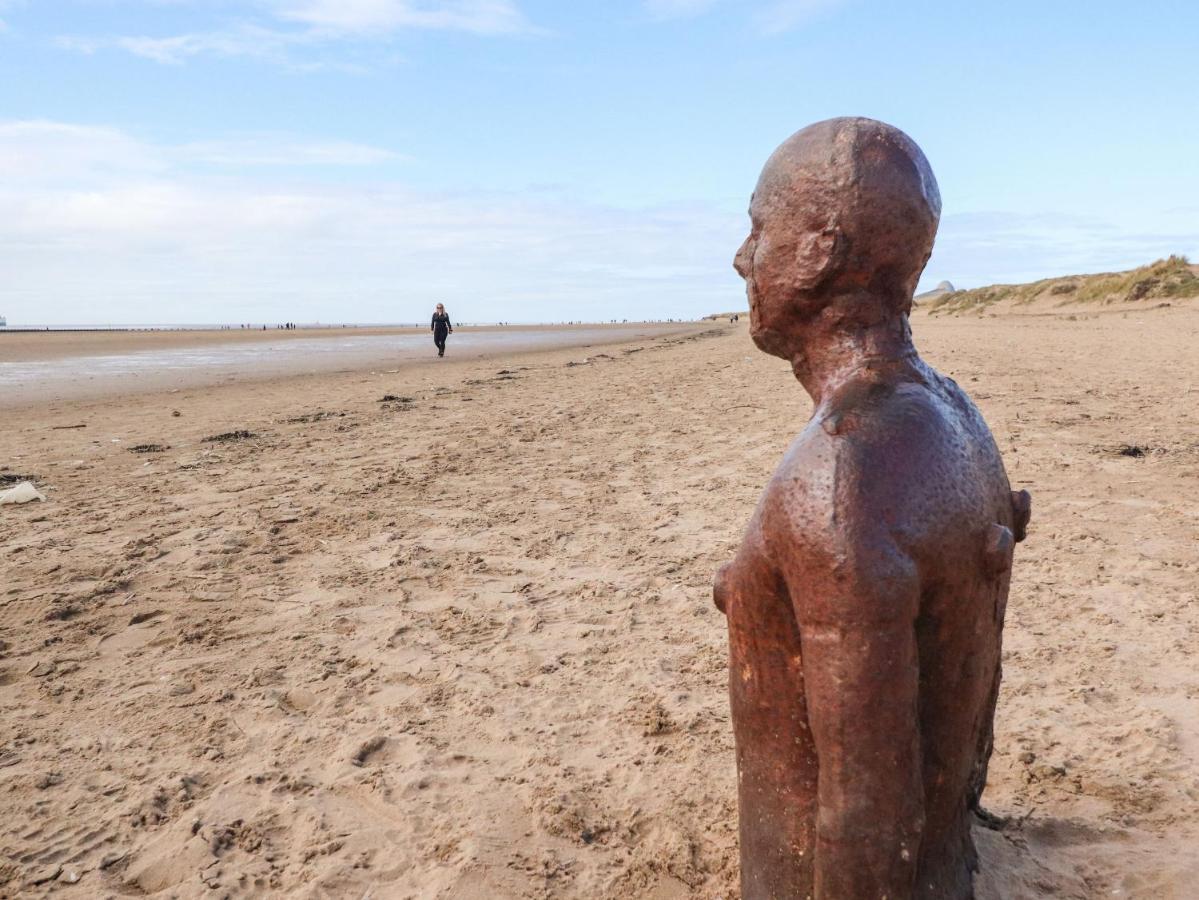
[291, 25]
[384, 16]
[62, 154]
[43, 152]
[244, 40]
[139, 232]
[275, 152]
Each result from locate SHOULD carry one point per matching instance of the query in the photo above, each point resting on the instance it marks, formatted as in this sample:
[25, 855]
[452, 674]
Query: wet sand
[41, 367]
[460, 644]
[37, 346]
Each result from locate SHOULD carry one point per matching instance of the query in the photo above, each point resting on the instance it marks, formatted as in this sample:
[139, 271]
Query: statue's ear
[817, 255]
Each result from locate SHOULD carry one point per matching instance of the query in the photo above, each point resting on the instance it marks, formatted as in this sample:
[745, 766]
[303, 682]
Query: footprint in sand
[297, 700]
[144, 628]
[368, 749]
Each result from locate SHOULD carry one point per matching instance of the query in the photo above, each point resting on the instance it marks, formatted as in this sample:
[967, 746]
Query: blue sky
[358, 160]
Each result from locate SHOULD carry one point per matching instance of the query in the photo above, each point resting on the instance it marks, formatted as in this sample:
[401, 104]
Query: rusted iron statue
[865, 605]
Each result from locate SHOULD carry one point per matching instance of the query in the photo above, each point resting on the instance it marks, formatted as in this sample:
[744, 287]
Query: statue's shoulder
[899, 425]
[799, 497]
[831, 513]
[862, 423]
[862, 453]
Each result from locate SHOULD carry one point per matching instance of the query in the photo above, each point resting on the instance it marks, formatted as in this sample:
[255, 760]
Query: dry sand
[463, 645]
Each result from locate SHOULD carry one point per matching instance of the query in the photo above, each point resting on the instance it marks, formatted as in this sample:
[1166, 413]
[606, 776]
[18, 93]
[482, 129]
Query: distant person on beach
[442, 328]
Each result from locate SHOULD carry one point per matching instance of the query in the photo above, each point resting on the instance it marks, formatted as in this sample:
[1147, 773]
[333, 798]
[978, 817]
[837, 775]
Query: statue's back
[921, 457]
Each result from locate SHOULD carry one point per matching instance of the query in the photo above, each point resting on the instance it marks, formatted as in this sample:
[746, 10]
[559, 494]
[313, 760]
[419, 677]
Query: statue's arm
[856, 603]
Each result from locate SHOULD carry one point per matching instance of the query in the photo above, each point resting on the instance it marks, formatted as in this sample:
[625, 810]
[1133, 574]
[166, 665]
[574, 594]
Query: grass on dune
[1168, 278]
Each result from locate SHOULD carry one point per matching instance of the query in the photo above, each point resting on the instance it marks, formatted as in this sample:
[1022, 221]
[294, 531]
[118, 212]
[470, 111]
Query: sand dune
[1167, 282]
[460, 644]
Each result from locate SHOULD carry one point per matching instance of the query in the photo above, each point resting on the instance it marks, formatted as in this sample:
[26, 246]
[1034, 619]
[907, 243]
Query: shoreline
[41, 368]
[27, 345]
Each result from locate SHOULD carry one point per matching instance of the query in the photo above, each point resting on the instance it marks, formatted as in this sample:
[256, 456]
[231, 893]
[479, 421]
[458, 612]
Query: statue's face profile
[786, 258]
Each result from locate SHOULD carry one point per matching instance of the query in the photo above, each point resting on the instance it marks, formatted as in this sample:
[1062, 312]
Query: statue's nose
[743, 261]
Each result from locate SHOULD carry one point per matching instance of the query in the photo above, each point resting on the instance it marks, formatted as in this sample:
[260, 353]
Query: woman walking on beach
[441, 328]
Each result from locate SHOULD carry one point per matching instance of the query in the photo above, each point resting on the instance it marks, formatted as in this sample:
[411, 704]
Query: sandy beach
[284, 636]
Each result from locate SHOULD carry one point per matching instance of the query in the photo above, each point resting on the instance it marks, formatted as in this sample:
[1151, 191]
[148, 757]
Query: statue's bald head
[845, 210]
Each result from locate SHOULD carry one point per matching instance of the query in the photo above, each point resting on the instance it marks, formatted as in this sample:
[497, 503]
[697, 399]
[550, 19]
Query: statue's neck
[834, 349]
